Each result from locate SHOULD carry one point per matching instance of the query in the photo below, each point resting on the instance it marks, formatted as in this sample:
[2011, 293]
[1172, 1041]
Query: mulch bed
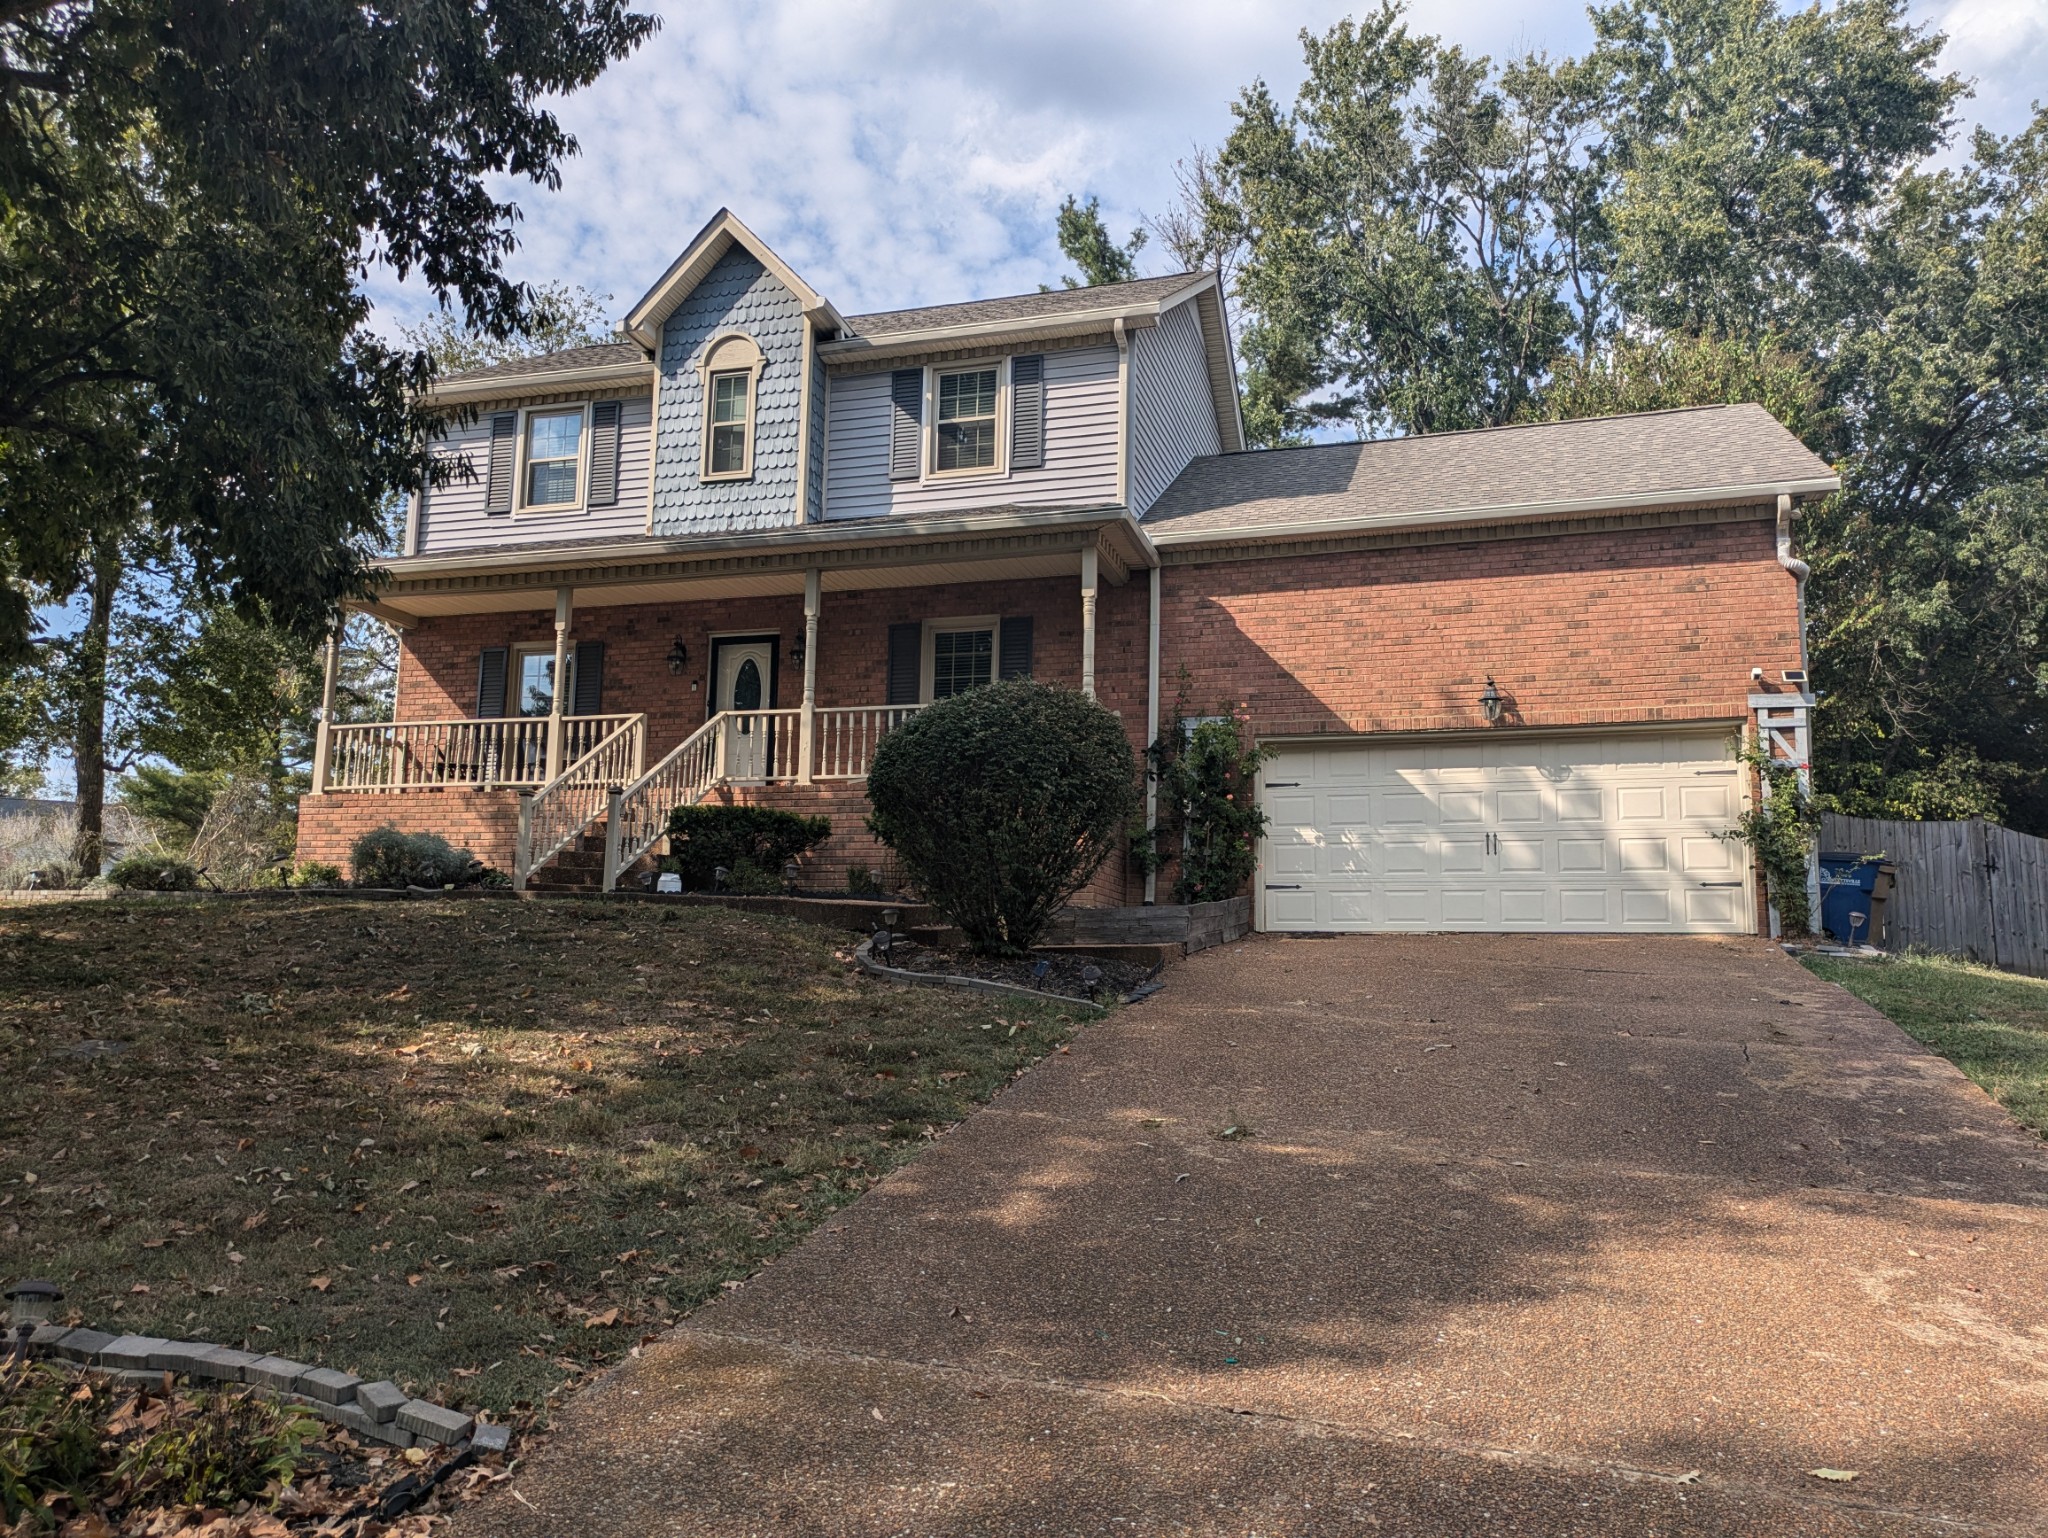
[1064, 971]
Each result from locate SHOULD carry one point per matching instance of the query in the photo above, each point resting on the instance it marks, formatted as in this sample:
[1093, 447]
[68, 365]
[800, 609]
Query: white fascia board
[1513, 512]
[814, 536]
[721, 232]
[938, 338]
[506, 386]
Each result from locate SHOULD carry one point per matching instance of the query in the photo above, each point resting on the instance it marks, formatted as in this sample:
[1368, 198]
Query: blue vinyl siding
[1080, 447]
[1173, 414]
[737, 294]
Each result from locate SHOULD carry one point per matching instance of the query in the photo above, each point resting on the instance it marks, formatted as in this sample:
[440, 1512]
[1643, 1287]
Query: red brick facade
[1607, 627]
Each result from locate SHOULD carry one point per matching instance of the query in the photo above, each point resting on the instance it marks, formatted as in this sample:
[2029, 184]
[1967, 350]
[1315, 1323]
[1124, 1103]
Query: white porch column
[323, 742]
[806, 737]
[564, 598]
[1089, 565]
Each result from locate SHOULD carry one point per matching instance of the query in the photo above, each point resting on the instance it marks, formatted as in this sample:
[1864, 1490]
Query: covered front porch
[773, 663]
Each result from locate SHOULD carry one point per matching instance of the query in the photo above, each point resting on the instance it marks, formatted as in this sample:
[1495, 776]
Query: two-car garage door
[1596, 831]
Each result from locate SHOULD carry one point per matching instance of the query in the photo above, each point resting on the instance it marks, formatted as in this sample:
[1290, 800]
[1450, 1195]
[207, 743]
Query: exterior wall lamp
[1490, 701]
[678, 657]
[796, 651]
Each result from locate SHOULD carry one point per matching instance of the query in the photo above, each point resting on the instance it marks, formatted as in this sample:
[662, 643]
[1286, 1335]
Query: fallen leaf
[415, 1455]
[602, 1321]
[154, 1244]
[244, 1144]
[255, 1220]
[749, 1151]
[466, 1372]
[321, 1283]
[236, 1257]
[140, 1287]
[1839, 1476]
[410, 1185]
[878, 1415]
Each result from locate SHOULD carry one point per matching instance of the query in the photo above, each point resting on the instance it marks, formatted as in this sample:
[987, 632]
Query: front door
[743, 683]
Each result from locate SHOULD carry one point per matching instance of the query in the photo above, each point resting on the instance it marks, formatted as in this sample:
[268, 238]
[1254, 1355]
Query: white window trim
[524, 649]
[552, 509]
[927, 677]
[748, 360]
[1000, 470]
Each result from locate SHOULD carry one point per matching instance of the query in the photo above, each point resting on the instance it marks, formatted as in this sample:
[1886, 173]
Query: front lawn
[478, 1147]
[1993, 1025]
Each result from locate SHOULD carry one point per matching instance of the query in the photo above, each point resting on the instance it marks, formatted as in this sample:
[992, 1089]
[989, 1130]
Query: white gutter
[500, 386]
[1167, 536]
[853, 534]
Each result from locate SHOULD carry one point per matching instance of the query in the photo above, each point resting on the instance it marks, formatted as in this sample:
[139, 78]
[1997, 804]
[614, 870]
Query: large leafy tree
[190, 192]
[1718, 202]
[1086, 242]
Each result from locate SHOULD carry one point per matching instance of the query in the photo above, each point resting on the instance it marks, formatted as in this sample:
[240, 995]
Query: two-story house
[727, 553]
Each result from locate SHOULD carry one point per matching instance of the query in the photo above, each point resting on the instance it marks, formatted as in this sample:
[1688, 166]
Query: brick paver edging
[954, 980]
[379, 1410]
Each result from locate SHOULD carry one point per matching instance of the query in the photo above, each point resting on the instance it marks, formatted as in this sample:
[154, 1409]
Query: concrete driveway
[1526, 1235]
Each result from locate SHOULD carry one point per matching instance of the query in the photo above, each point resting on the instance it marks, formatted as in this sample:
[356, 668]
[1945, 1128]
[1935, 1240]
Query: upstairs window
[966, 421]
[731, 371]
[554, 455]
[729, 397]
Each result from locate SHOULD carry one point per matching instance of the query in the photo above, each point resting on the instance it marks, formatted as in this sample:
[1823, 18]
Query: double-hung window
[554, 457]
[964, 437]
[729, 422]
[960, 654]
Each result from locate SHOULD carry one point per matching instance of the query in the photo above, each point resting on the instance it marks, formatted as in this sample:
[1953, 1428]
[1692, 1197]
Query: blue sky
[899, 152]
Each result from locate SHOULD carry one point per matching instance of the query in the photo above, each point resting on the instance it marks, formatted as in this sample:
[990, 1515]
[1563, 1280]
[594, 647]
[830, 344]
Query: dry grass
[479, 1147]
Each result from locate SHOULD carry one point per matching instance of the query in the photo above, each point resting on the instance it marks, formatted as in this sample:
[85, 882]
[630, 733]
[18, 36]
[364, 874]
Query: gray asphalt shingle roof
[1060, 301]
[597, 355]
[1643, 457]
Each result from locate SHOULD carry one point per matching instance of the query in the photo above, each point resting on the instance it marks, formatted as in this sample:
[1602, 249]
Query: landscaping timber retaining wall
[1194, 926]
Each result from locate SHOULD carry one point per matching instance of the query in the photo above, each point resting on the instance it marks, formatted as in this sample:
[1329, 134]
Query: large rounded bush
[1001, 803]
[385, 857]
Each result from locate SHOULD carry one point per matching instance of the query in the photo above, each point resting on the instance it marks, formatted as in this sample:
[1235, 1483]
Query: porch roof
[987, 545]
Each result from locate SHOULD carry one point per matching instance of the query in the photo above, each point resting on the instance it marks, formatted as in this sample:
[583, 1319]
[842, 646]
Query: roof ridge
[1085, 288]
[1509, 427]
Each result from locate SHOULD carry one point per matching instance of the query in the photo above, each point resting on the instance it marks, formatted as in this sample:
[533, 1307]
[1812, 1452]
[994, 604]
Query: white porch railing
[418, 755]
[740, 747]
[555, 816]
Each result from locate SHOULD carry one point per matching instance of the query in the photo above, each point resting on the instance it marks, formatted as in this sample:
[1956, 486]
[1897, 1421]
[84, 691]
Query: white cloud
[898, 152]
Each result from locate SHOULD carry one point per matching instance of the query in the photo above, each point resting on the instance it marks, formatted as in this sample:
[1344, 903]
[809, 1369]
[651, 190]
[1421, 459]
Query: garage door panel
[1574, 832]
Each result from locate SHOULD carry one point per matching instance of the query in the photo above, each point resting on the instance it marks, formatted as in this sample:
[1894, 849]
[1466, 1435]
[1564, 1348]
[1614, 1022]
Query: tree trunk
[89, 744]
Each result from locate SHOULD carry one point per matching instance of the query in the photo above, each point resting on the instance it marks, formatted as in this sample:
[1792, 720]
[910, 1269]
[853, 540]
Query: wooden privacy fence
[1968, 888]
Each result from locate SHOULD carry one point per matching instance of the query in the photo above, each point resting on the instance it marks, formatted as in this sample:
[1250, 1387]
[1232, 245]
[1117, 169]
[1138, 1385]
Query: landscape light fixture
[1490, 700]
[31, 1303]
[678, 656]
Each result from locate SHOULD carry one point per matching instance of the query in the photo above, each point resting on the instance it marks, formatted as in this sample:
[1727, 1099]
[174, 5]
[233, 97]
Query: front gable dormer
[739, 395]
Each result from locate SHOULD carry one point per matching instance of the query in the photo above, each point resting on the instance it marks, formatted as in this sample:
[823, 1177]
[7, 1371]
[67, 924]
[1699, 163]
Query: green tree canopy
[1086, 242]
[190, 194]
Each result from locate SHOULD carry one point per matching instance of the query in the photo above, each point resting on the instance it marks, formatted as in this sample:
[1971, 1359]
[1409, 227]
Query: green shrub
[1209, 818]
[231, 1448]
[1001, 803]
[747, 879]
[49, 1441]
[703, 838]
[316, 873]
[862, 882]
[154, 873]
[385, 857]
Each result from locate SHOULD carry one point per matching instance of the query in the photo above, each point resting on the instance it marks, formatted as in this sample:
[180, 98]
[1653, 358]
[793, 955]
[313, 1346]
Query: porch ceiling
[906, 554]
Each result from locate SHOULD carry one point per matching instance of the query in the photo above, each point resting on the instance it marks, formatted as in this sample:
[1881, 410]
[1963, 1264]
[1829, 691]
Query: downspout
[1799, 569]
[1123, 412]
[1152, 743]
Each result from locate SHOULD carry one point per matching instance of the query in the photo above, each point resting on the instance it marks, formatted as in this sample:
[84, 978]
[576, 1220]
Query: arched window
[731, 373]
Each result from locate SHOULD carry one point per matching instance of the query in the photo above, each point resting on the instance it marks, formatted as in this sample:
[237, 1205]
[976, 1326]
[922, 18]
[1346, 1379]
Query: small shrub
[49, 1441]
[862, 882]
[154, 873]
[1210, 820]
[316, 873]
[702, 838]
[385, 857]
[747, 879]
[1001, 803]
[230, 1449]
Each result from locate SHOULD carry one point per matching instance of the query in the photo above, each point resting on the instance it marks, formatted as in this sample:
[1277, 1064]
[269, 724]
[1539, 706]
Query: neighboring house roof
[584, 368]
[1059, 302]
[1699, 455]
[596, 355]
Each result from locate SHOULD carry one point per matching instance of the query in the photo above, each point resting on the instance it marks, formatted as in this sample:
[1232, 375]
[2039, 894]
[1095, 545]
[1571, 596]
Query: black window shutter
[490, 683]
[1013, 650]
[589, 696]
[906, 662]
[498, 490]
[1027, 414]
[604, 454]
[906, 423]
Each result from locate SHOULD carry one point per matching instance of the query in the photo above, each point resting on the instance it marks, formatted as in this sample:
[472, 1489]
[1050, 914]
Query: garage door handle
[1283, 785]
[1720, 883]
[1272, 888]
[1716, 771]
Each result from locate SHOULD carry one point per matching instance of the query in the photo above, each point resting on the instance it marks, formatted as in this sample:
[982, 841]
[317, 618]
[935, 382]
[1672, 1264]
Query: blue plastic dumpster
[1847, 885]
